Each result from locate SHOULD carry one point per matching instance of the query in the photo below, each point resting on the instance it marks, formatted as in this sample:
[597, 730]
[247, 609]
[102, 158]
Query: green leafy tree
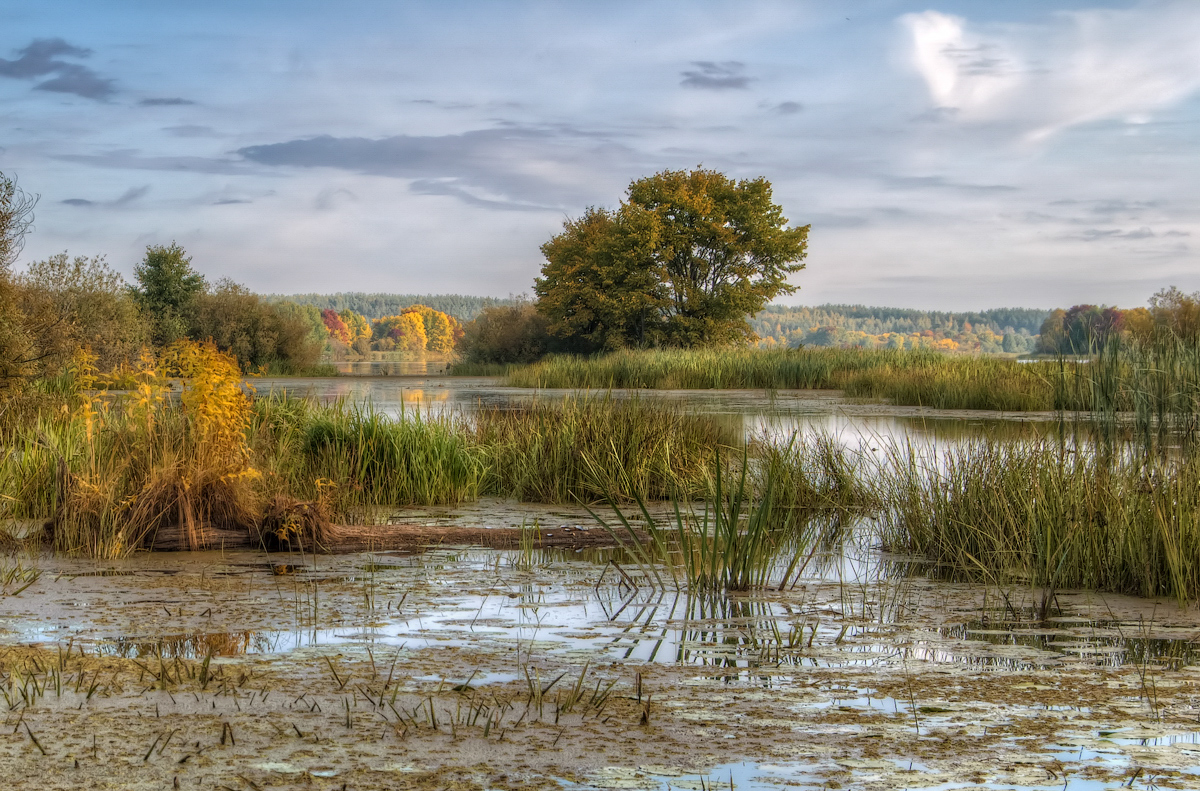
[687, 257]
[515, 333]
[597, 288]
[167, 290]
[260, 335]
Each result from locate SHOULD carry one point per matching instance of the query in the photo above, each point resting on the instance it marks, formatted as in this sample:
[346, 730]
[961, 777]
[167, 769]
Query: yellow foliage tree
[407, 331]
[357, 324]
[440, 329]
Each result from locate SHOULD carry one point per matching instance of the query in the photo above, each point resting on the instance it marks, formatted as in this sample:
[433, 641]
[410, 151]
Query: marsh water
[464, 667]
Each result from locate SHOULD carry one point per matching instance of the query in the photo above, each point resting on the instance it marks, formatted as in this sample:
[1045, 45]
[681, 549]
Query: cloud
[130, 160]
[129, 196]
[230, 201]
[40, 59]
[1080, 67]
[191, 130]
[169, 101]
[1098, 234]
[788, 108]
[514, 167]
[713, 76]
[940, 182]
[331, 198]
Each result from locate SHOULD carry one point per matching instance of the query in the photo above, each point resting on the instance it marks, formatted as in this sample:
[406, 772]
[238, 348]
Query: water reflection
[392, 367]
[757, 411]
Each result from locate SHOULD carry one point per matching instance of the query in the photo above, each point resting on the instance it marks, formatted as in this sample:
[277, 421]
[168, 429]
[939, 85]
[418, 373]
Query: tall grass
[914, 378]
[756, 533]
[1049, 515]
[589, 446]
[1146, 387]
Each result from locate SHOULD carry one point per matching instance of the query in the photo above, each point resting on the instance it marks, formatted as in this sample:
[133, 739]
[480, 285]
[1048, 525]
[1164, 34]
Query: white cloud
[1073, 68]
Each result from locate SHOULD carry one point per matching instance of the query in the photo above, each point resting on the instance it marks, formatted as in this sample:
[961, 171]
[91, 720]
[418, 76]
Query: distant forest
[1011, 330]
[377, 306]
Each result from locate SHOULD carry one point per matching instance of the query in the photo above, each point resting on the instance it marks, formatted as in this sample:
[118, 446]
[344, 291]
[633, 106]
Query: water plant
[742, 538]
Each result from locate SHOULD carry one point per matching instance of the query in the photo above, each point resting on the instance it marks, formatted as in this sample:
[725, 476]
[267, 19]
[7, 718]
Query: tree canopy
[167, 290]
[683, 261]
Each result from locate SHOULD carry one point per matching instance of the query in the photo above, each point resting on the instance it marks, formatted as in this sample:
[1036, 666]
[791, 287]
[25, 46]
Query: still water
[779, 413]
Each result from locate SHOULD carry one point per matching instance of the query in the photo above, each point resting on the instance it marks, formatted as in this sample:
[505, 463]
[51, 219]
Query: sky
[947, 155]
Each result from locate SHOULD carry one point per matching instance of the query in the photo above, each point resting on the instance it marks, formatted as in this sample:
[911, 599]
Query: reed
[1051, 515]
[747, 535]
[911, 378]
[587, 447]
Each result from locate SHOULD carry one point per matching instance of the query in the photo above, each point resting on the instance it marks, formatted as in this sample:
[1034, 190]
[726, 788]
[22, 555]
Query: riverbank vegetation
[184, 445]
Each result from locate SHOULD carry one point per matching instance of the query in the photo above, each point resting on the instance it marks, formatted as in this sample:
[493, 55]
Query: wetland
[874, 662]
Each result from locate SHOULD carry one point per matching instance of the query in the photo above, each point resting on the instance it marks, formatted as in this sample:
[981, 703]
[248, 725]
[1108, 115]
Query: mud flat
[474, 668]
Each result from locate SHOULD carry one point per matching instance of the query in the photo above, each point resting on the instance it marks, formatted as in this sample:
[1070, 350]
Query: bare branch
[16, 220]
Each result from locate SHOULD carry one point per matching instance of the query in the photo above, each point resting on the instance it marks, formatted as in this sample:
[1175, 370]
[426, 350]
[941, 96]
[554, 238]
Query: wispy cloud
[130, 195]
[41, 59]
[513, 167]
[168, 101]
[713, 76]
[1082, 66]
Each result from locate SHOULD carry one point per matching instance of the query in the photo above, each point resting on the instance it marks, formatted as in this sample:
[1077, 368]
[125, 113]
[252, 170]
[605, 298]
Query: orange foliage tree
[337, 328]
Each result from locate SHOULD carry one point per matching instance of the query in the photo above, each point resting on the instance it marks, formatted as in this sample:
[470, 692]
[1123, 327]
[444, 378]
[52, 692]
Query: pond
[473, 668]
[777, 412]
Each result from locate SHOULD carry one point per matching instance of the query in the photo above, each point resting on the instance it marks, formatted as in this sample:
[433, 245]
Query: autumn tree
[357, 324]
[440, 329]
[683, 261]
[337, 328]
[405, 333]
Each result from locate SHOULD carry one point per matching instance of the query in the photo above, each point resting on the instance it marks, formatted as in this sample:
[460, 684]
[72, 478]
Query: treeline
[415, 329]
[64, 305]
[376, 306]
[1012, 330]
[1084, 329]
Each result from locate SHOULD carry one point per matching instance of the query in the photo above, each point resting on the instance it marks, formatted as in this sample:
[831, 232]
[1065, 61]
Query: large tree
[684, 260]
[167, 290]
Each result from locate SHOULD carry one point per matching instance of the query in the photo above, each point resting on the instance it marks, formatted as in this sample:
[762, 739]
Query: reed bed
[1049, 515]
[186, 445]
[588, 447]
[912, 378]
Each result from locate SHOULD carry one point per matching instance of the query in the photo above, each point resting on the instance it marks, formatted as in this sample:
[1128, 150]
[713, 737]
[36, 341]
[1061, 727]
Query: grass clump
[761, 531]
[590, 446]
[1049, 515]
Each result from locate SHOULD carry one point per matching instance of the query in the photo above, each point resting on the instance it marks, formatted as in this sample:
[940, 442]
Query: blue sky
[949, 155]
